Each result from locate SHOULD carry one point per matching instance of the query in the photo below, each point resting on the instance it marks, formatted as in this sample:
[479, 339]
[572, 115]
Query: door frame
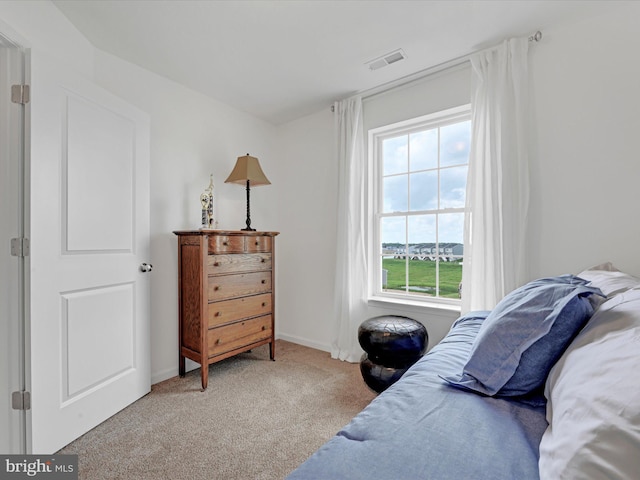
[19, 359]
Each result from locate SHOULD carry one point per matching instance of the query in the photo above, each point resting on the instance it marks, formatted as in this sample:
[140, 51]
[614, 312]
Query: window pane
[424, 191]
[393, 232]
[394, 273]
[450, 276]
[421, 230]
[393, 249]
[422, 267]
[454, 144]
[451, 234]
[396, 195]
[395, 155]
[451, 228]
[423, 151]
[453, 184]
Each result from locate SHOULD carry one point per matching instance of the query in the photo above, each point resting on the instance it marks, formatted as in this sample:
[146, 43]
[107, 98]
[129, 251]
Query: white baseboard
[158, 377]
[168, 373]
[304, 341]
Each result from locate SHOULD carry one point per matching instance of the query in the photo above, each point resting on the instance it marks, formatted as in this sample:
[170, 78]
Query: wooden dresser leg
[272, 351]
[181, 366]
[204, 372]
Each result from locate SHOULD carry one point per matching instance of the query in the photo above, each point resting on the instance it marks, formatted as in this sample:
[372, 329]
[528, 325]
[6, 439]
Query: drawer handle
[216, 264]
[263, 281]
[263, 260]
[216, 288]
[264, 328]
[264, 304]
[218, 314]
[225, 243]
[257, 243]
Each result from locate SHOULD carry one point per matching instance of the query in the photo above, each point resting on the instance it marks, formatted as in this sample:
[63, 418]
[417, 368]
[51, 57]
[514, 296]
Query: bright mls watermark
[50, 467]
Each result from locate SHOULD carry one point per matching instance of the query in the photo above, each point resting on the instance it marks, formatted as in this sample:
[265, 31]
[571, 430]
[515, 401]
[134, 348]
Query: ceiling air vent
[387, 59]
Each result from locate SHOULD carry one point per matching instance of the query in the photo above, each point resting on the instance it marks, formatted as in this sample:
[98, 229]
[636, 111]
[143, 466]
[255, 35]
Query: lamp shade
[247, 168]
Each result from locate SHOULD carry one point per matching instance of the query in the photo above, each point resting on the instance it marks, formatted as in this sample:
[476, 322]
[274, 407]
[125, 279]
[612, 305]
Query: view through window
[421, 174]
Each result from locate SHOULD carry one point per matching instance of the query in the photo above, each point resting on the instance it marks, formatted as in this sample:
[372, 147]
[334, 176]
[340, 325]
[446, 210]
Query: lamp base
[248, 229]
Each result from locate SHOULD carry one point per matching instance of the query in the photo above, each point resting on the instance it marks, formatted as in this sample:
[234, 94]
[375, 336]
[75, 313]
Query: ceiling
[281, 60]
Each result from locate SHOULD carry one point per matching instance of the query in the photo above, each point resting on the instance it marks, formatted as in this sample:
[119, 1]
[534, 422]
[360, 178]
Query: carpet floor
[257, 420]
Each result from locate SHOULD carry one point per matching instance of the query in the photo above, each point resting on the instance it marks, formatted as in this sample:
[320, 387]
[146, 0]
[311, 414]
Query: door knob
[146, 267]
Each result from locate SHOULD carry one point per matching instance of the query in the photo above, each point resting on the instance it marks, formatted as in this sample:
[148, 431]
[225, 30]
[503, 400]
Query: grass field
[422, 276]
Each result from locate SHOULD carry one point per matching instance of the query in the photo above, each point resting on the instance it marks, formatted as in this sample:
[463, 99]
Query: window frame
[375, 139]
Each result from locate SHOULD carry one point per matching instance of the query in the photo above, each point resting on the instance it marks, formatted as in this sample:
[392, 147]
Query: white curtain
[351, 266]
[497, 197]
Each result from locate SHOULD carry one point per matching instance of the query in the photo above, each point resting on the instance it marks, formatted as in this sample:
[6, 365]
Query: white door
[90, 345]
[12, 267]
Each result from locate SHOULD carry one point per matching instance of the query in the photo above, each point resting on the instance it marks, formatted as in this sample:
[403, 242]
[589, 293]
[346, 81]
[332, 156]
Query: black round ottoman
[392, 344]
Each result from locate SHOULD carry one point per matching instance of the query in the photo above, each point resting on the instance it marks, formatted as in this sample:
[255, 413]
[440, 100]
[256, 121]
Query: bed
[544, 386]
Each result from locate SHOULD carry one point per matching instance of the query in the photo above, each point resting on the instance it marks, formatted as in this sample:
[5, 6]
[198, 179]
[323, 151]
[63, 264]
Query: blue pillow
[524, 335]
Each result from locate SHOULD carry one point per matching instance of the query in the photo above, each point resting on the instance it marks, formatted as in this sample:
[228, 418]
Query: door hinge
[20, 247]
[21, 400]
[20, 94]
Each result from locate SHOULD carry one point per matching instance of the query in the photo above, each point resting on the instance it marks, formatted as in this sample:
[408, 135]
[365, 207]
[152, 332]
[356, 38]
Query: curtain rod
[371, 92]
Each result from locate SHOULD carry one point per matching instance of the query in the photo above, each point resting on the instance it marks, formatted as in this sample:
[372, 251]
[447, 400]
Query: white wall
[42, 27]
[192, 136]
[585, 167]
[437, 92]
[307, 206]
[585, 171]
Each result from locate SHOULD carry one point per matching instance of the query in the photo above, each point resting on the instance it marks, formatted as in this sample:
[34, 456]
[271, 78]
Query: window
[420, 175]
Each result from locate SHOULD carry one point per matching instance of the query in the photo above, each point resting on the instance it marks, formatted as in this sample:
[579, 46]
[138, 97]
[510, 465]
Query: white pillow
[609, 279]
[593, 399]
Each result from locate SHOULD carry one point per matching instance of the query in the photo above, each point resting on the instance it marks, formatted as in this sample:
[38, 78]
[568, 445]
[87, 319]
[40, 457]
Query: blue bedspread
[422, 428]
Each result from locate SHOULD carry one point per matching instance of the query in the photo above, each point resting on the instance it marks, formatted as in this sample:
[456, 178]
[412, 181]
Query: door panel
[98, 160]
[106, 314]
[90, 345]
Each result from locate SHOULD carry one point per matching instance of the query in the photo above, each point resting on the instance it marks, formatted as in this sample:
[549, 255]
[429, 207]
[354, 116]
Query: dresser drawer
[231, 286]
[232, 263]
[258, 244]
[239, 334]
[228, 311]
[226, 244]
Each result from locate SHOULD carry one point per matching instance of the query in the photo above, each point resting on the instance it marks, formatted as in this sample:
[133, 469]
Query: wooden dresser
[226, 289]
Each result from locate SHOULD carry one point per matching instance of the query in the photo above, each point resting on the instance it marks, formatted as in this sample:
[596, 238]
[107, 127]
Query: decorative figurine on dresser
[206, 199]
[226, 288]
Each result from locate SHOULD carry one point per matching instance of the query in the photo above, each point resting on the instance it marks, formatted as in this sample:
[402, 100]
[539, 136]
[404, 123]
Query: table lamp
[247, 172]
